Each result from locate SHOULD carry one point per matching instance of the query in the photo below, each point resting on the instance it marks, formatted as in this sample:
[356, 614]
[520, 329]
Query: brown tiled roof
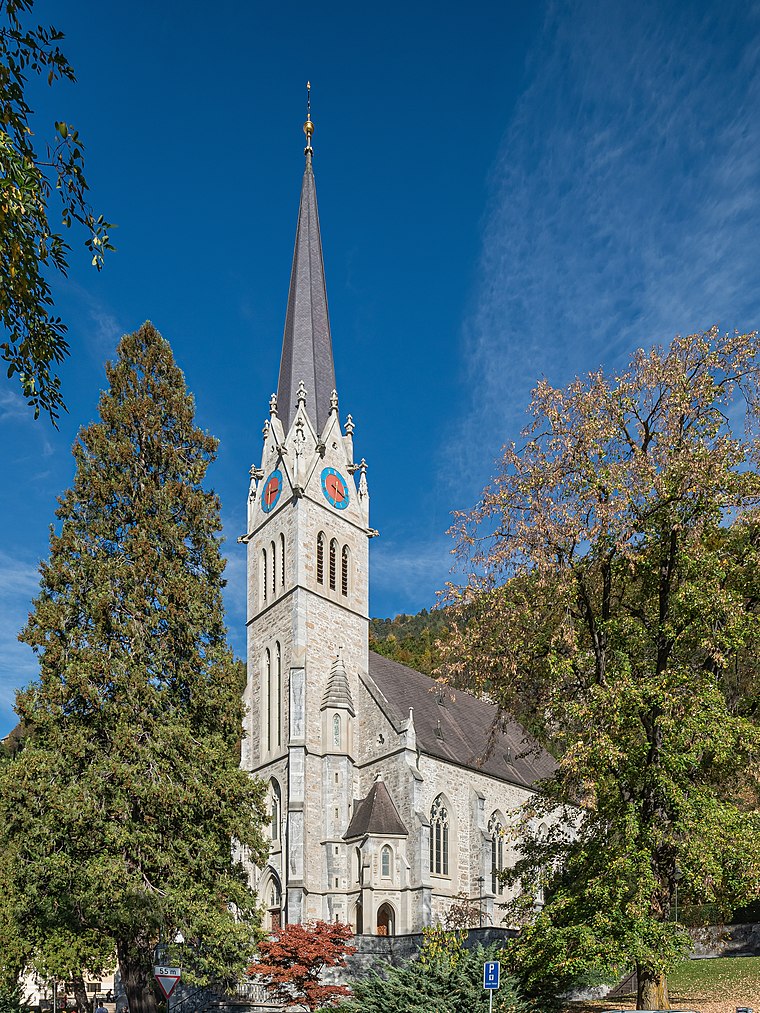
[455, 726]
[376, 815]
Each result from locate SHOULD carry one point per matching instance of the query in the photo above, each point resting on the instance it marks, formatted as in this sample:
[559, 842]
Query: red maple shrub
[292, 959]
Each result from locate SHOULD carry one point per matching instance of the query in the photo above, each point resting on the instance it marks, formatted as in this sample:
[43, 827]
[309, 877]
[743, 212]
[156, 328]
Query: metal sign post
[167, 978]
[491, 970]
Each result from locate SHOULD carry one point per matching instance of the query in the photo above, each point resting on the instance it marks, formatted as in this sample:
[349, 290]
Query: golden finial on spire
[308, 127]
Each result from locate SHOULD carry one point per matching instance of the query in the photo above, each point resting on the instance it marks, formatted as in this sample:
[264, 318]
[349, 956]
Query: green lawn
[717, 984]
[716, 977]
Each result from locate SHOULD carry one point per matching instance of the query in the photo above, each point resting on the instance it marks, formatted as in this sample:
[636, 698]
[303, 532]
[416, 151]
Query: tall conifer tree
[125, 801]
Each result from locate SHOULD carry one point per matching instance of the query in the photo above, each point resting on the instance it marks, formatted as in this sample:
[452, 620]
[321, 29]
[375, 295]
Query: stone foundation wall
[726, 941]
[398, 949]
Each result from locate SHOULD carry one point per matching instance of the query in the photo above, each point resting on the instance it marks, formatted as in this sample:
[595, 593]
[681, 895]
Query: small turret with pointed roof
[307, 356]
[338, 694]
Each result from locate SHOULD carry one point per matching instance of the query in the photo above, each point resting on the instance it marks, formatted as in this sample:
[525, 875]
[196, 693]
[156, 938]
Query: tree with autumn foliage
[292, 960]
[120, 808]
[613, 606]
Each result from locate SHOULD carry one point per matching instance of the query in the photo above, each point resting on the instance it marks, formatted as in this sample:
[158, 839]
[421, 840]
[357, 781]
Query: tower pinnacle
[306, 344]
[308, 127]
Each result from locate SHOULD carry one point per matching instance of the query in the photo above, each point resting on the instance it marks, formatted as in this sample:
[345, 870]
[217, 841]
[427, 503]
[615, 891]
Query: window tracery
[496, 830]
[439, 837]
[385, 862]
[276, 798]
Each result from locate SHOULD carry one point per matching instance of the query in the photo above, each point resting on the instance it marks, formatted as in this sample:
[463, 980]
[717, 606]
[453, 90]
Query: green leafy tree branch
[30, 245]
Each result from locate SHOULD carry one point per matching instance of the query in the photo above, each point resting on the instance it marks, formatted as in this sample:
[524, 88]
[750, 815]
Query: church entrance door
[386, 921]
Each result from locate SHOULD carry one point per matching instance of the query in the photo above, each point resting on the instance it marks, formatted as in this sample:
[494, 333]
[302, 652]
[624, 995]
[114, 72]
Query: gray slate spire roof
[375, 815]
[337, 692]
[306, 344]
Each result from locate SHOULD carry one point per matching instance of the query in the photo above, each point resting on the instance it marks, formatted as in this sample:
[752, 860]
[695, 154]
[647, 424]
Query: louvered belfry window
[320, 558]
[333, 563]
[344, 563]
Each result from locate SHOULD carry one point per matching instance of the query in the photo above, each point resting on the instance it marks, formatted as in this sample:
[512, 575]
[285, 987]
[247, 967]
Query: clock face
[335, 488]
[271, 491]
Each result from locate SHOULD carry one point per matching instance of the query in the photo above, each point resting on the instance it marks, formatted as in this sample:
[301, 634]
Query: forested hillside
[410, 639]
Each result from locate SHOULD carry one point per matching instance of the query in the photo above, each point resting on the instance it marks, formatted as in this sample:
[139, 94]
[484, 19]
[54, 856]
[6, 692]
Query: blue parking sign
[491, 974]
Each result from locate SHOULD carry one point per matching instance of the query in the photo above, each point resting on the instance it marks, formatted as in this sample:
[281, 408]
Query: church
[389, 798]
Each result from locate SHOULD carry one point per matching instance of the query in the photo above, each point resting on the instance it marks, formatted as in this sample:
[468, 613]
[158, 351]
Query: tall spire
[306, 345]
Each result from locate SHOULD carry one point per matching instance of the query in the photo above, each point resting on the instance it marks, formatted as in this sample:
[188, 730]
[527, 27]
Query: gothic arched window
[274, 904]
[321, 557]
[274, 568]
[268, 692]
[276, 809]
[385, 862]
[541, 834]
[263, 583]
[496, 830]
[333, 563]
[282, 560]
[439, 837]
[278, 704]
[336, 731]
[345, 560]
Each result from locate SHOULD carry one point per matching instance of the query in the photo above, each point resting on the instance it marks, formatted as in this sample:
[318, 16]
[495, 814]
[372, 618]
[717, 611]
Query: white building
[383, 809]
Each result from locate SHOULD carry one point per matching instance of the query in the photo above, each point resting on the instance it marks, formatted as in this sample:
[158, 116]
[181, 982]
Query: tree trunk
[652, 990]
[135, 972]
[80, 994]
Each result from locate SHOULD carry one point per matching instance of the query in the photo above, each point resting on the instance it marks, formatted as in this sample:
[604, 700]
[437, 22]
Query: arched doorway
[386, 920]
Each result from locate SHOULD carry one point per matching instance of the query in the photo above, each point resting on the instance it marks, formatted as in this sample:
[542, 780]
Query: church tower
[307, 546]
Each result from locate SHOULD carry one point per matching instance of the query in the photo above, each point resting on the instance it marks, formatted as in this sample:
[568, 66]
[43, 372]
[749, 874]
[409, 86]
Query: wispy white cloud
[13, 407]
[405, 574]
[105, 329]
[625, 201]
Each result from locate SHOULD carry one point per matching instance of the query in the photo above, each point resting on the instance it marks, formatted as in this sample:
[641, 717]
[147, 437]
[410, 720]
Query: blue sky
[506, 191]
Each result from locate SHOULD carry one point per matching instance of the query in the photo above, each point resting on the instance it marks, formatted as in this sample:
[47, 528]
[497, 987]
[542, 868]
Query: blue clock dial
[271, 491]
[335, 488]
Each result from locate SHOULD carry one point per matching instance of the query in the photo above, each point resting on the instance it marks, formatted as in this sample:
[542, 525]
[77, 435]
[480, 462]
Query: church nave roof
[455, 726]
